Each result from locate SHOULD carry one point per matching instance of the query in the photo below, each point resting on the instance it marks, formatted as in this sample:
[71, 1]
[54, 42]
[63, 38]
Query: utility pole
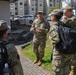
[59, 4]
[74, 5]
[71, 3]
[54, 3]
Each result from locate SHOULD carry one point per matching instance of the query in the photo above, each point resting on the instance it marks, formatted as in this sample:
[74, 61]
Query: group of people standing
[62, 64]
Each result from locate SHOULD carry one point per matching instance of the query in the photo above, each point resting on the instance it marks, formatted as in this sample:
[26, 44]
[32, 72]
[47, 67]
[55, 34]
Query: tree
[54, 7]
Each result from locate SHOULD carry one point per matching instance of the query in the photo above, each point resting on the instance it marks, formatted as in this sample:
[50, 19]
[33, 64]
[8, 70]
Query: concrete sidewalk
[30, 68]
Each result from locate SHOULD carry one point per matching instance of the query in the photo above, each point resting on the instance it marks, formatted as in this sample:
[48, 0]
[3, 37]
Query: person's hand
[32, 29]
[49, 38]
[65, 17]
[39, 30]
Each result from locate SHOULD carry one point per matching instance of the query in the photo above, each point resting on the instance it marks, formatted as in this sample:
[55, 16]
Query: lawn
[28, 52]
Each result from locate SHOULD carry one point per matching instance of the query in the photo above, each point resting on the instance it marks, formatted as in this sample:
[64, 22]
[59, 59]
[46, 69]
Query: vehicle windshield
[27, 16]
[17, 16]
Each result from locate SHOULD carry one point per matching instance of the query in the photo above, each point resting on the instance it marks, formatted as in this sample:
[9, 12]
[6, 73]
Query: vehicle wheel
[17, 22]
[30, 21]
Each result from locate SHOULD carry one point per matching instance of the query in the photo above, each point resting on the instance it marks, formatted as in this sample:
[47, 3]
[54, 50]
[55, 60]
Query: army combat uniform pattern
[70, 21]
[39, 39]
[60, 62]
[72, 57]
[15, 67]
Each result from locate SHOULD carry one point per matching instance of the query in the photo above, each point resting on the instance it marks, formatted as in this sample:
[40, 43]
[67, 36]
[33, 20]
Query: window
[57, 1]
[50, 4]
[40, 4]
[11, 8]
[20, 3]
[10, 12]
[36, 4]
[15, 3]
[16, 13]
[32, 8]
[25, 4]
[15, 8]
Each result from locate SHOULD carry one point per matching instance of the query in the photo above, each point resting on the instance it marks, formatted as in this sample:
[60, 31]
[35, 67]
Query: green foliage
[54, 7]
[28, 52]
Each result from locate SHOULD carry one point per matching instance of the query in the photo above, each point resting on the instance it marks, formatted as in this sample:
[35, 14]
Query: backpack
[67, 44]
[3, 56]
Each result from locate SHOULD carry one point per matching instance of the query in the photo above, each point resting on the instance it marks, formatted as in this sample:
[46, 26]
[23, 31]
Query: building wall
[20, 7]
[5, 11]
[40, 5]
[25, 7]
[49, 4]
[12, 8]
[65, 3]
[16, 8]
[33, 6]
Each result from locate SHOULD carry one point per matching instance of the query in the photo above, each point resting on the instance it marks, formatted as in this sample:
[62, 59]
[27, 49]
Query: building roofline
[13, 0]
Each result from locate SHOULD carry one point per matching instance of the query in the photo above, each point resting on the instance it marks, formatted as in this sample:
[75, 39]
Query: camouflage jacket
[15, 67]
[70, 21]
[53, 33]
[42, 25]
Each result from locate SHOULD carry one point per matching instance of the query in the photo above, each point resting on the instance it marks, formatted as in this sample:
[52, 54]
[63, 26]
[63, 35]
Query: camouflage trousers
[61, 63]
[39, 46]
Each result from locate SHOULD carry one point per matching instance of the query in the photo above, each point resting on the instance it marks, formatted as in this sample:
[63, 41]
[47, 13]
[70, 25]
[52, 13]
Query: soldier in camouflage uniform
[70, 20]
[14, 64]
[40, 28]
[60, 61]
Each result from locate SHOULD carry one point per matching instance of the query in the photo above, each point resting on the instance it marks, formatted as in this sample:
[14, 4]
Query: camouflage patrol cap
[3, 25]
[40, 12]
[67, 8]
[57, 12]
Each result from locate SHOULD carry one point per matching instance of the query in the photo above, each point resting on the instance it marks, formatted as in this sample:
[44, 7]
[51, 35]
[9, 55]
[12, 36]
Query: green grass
[28, 52]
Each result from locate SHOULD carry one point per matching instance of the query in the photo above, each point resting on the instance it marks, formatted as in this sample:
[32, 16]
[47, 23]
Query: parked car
[27, 19]
[16, 19]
